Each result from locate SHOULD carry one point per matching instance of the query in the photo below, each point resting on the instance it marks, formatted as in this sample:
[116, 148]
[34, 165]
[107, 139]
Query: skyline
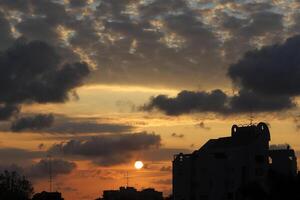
[100, 84]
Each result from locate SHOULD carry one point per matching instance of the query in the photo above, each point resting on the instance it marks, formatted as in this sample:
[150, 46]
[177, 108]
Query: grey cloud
[188, 101]
[40, 169]
[7, 110]
[18, 156]
[5, 33]
[267, 80]
[110, 149]
[77, 3]
[128, 49]
[57, 124]
[58, 167]
[36, 122]
[34, 72]
[271, 70]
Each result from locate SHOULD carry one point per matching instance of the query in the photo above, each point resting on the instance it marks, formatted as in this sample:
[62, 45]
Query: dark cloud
[78, 126]
[7, 110]
[272, 70]
[166, 38]
[110, 149]
[58, 167]
[59, 125]
[41, 169]
[248, 101]
[5, 32]
[267, 80]
[34, 72]
[36, 122]
[188, 101]
[77, 3]
[20, 5]
[18, 156]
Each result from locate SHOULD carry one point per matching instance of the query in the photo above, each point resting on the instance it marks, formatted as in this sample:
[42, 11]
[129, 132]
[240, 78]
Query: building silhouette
[221, 167]
[130, 193]
[47, 196]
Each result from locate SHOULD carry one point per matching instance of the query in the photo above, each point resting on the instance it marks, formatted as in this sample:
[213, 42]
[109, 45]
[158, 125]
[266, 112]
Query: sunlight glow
[138, 164]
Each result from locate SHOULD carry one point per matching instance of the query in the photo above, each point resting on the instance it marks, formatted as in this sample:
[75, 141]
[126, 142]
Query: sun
[138, 164]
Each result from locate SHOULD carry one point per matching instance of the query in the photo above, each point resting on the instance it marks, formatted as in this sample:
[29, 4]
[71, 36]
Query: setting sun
[138, 164]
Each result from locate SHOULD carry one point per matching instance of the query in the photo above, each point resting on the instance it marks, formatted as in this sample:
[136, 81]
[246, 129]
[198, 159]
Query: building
[47, 196]
[222, 166]
[130, 193]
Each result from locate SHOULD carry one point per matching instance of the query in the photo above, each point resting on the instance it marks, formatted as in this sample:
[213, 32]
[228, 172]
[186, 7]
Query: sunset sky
[99, 84]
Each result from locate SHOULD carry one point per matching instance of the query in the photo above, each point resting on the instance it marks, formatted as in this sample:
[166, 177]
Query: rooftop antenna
[251, 116]
[50, 172]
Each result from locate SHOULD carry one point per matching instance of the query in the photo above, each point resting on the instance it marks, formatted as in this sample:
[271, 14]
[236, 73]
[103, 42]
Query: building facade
[222, 166]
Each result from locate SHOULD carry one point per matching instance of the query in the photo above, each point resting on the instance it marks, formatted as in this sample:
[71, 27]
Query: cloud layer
[267, 80]
[108, 150]
[131, 42]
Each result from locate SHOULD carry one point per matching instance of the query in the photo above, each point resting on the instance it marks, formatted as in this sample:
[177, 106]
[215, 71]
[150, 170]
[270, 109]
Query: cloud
[188, 101]
[267, 80]
[36, 122]
[58, 167]
[110, 149]
[216, 101]
[170, 39]
[41, 169]
[33, 72]
[272, 70]
[58, 124]
[5, 33]
[65, 125]
[18, 156]
[7, 110]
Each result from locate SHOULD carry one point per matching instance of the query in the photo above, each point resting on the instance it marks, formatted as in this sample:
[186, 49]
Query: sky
[99, 84]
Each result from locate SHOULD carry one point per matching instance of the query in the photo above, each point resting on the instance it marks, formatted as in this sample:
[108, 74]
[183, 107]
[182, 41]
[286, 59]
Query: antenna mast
[127, 179]
[50, 172]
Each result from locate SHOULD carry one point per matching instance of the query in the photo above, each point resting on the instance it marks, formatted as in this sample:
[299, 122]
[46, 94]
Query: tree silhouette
[14, 186]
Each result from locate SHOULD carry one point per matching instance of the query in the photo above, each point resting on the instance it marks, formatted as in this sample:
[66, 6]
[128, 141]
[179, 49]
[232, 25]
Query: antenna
[50, 172]
[127, 179]
[251, 115]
